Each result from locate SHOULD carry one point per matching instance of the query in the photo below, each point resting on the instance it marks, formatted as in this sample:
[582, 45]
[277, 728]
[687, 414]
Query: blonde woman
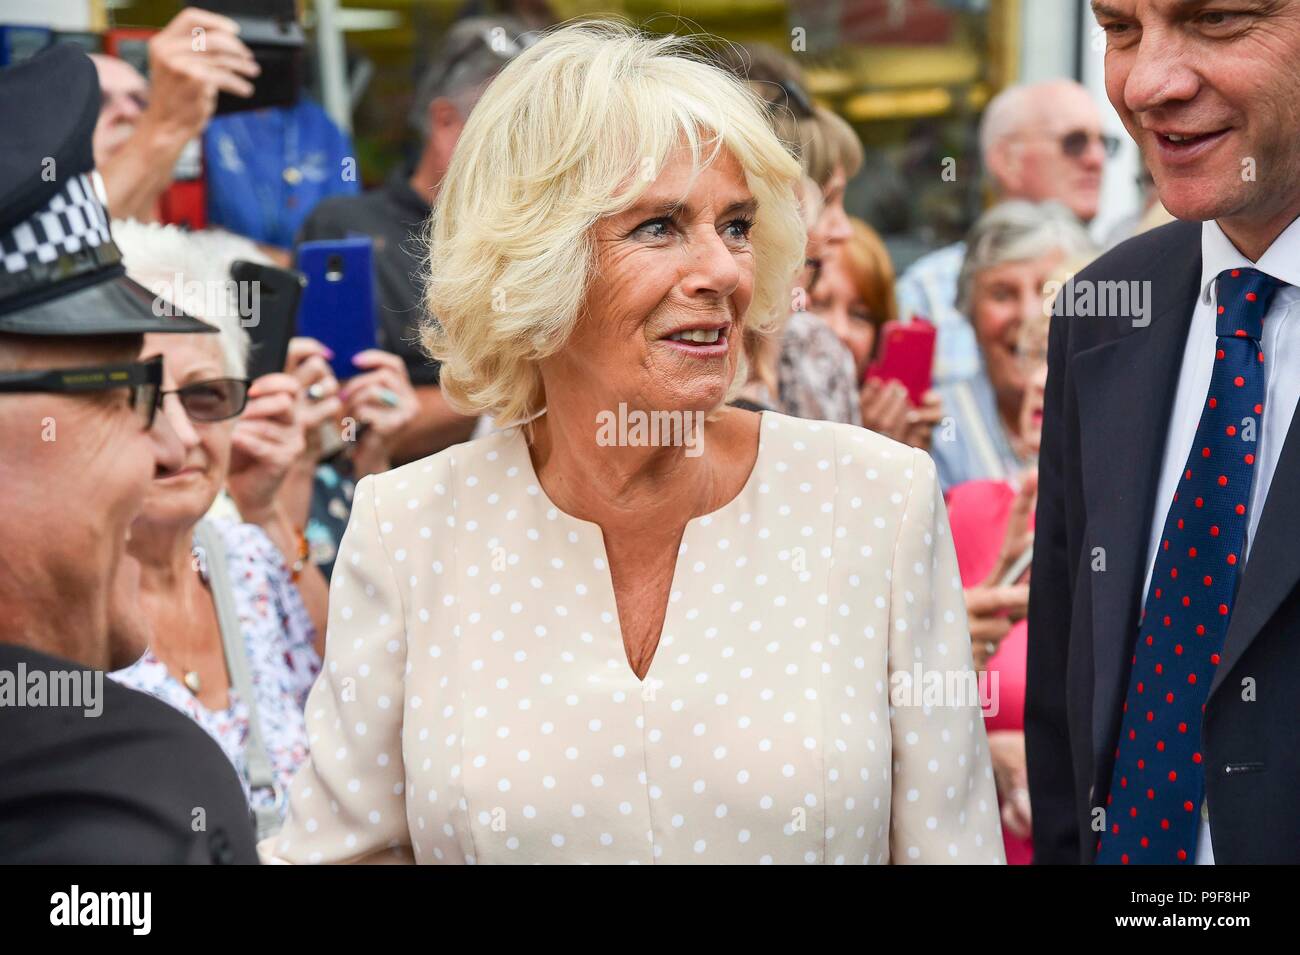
[569, 643]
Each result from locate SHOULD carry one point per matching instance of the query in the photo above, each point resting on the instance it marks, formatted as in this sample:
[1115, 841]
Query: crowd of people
[423, 614]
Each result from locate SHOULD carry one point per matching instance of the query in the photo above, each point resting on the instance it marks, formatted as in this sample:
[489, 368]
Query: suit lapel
[1126, 390]
[1271, 570]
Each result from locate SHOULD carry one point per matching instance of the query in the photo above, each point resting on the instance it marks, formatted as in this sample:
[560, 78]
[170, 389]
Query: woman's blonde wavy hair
[572, 130]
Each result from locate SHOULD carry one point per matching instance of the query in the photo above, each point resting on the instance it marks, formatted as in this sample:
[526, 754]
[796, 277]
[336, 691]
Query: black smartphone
[268, 299]
[270, 29]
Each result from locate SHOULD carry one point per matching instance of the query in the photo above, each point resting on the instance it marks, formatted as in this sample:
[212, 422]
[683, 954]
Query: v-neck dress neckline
[592, 537]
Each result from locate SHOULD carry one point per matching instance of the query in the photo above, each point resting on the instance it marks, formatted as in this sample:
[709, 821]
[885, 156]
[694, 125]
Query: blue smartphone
[338, 304]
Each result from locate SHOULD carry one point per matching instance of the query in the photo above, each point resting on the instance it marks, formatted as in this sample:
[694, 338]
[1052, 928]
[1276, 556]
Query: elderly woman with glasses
[637, 625]
[232, 643]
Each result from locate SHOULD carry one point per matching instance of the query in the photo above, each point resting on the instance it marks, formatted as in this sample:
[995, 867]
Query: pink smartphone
[906, 355]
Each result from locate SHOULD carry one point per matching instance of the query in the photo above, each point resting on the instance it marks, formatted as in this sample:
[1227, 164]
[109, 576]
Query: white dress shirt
[1281, 347]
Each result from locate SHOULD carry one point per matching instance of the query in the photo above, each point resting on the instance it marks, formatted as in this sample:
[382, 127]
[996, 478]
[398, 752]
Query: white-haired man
[1038, 141]
[144, 125]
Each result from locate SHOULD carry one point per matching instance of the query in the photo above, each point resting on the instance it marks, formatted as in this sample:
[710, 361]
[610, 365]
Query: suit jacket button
[219, 847]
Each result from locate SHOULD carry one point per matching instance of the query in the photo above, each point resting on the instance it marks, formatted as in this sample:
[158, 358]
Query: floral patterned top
[815, 374]
[282, 657]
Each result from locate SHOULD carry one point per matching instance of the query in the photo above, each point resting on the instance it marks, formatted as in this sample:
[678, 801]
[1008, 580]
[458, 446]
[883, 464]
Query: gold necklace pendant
[192, 682]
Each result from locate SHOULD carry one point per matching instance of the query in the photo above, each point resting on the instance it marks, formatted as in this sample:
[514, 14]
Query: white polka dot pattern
[476, 703]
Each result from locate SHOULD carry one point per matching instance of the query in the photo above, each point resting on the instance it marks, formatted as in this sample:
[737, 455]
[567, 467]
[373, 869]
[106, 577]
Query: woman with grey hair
[232, 642]
[986, 455]
[637, 625]
[1011, 252]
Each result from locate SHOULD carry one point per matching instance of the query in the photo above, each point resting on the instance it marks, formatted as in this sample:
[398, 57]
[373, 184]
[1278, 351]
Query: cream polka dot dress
[476, 703]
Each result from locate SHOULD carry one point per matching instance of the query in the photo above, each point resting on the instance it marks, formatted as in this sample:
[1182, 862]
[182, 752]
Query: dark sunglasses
[793, 97]
[1076, 143]
[213, 400]
[144, 378]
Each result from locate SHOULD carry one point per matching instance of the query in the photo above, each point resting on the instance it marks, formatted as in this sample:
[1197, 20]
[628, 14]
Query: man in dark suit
[1164, 612]
[1162, 662]
[89, 771]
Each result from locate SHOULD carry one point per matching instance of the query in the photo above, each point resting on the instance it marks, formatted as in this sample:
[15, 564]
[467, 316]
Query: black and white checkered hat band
[75, 220]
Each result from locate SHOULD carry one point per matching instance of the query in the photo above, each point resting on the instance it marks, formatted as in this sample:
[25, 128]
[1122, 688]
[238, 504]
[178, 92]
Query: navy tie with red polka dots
[1152, 810]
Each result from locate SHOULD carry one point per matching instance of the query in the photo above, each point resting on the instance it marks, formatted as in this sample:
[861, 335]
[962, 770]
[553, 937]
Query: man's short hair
[471, 54]
[1016, 108]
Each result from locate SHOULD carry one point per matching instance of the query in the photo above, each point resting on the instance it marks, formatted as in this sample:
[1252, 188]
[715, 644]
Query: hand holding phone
[1017, 551]
[186, 82]
[269, 32]
[338, 304]
[907, 356]
[884, 407]
[271, 295]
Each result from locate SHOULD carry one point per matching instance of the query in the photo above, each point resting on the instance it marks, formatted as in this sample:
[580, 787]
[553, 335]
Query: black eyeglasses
[213, 400]
[144, 378]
